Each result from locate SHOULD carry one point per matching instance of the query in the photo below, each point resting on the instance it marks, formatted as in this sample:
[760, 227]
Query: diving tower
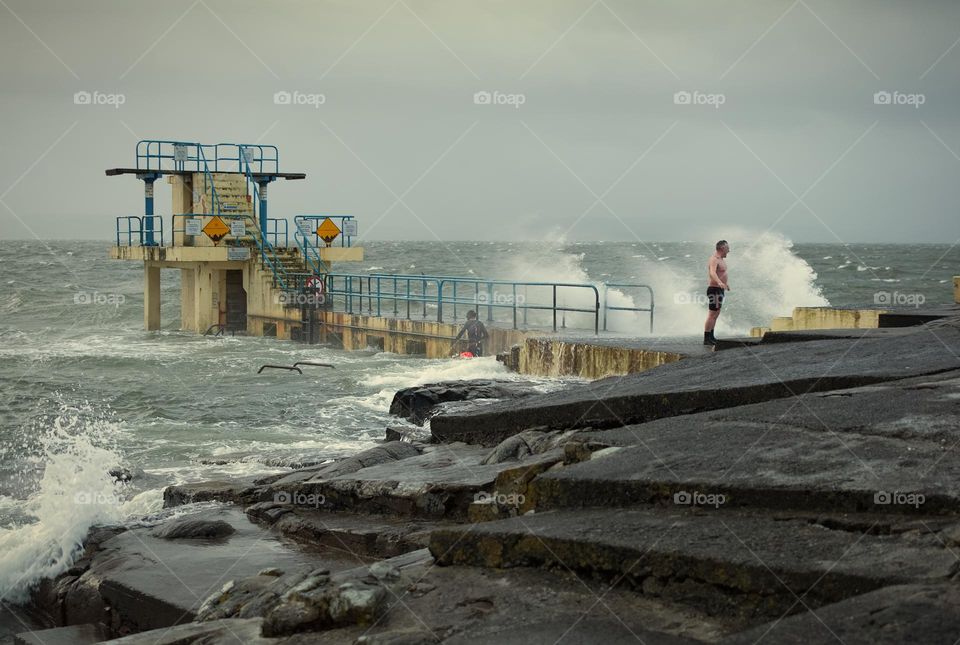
[241, 271]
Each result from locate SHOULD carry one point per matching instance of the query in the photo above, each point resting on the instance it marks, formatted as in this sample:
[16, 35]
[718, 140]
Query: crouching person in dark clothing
[476, 334]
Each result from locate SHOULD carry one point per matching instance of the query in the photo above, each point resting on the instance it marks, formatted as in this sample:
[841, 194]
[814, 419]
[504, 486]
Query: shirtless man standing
[717, 281]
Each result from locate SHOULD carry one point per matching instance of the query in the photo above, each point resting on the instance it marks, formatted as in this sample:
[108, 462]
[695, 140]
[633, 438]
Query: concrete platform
[72, 635]
[779, 455]
[928, 614]
[723, 562]
[721, 380]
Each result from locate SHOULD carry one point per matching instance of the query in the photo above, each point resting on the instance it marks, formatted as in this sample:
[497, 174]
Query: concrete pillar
[188, 304]
[220, 301]
[151, 297]
[182, 202]
[201, 297]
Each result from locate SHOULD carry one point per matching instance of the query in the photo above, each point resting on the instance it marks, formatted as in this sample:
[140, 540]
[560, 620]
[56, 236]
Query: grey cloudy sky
[599, 149]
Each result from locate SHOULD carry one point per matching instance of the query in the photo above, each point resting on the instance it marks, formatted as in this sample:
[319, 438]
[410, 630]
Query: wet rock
[317, 604]
[232, 631]
[124, 474]
[417, 404]
[283, 459]
[72, 635]
[405, 434]
[382, 454]
[268, 512]
[529, 442]
[440, 483]
[361, 535]
[232, 491]
[609, 630]
[384, 571]
[194, 528]
[734, 564]
[899, 614]
[720, 380]
[136, 581]
[864, 449]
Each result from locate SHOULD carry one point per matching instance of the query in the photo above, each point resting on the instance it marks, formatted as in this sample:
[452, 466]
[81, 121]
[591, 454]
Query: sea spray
[767, 278]
[76, 451]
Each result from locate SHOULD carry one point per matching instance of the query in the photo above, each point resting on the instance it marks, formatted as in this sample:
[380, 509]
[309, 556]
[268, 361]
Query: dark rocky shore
[805, 489]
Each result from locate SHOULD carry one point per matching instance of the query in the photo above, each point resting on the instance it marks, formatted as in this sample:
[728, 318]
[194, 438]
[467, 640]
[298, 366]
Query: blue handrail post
[395, 287]
[596, 316]
[489, 302]
[148, 179]
[440, 300]
[605, 289]
[554, 308]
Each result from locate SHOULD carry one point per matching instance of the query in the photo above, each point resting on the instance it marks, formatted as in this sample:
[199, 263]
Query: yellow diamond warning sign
[328, 231]
[216, 229]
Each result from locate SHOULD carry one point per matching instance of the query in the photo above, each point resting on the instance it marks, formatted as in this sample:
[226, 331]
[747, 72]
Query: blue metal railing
[617, 285]
[156, 155]
[275, 228]
[129, 231]
[261, 159]
[437, 291]
[125, 229]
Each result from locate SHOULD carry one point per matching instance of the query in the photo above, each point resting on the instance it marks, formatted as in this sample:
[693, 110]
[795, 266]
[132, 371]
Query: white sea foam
[767, 278]
[76, 452]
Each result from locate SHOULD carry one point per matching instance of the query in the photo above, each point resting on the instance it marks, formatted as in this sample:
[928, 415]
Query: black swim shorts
[714, 298]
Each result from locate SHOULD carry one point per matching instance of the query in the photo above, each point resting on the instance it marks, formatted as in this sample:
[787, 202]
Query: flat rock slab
[386, 453]
[150, 582]
[721, 380]
[725, 562]
[588, 631]
[419, 403]
[277, 459]
[849, 450]
[441, 482]
[235, 631]
[72, 635]
[470, 605]
[803, 335]
[928, 614]
[364, 536]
